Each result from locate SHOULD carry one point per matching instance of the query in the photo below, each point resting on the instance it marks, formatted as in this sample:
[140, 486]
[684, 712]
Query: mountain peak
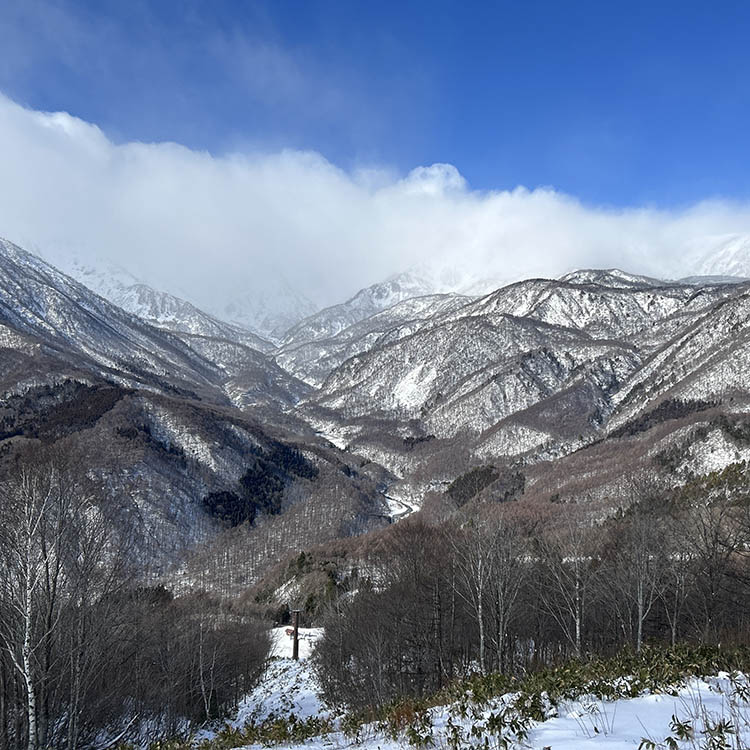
[610, 277]
[729, 255]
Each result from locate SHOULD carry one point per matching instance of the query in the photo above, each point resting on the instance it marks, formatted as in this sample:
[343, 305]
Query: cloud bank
[214, 226]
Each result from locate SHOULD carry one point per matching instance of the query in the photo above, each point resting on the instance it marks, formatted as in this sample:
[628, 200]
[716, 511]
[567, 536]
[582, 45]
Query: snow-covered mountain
[706, 360]
[162, 419]
[159, 308]
[434, 285]
[468, 368]
[332, 320]
[159, 339]
[417, 385]
[174, 314]
[313, 360]
[109, 280]
[533, 371]
[613, 278]
[725, 256]
[264, 304]
[264, 308]
[63, 316]
[469, 371]
[270, 307]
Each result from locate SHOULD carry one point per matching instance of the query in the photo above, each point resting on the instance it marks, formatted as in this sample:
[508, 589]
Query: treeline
[511, 589]
[88, 656]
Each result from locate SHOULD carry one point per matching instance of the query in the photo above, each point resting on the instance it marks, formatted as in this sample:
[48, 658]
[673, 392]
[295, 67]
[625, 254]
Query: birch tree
[569, 564]
[508, 573]
[473, 549]
[60, 563]
[29, 552]
[638, 570]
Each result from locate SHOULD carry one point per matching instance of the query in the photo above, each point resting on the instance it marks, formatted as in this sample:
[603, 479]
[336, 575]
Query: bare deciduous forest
[88, 651]
[507, 591]
[92, 651]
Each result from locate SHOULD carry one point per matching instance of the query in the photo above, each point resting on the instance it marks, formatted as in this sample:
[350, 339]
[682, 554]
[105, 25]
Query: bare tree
[679, 574]
[32, 506]
[473, 549]
[509, 568]
[61, 562]
[569, 566]
[637, 570]
[715, 540]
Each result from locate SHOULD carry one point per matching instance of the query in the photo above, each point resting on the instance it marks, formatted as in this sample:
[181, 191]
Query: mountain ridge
[390, 396]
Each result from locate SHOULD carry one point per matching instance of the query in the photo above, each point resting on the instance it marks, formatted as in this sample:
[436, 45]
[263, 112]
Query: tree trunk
[639, 627]
[31, 709]
[480, 622]
[578, 613]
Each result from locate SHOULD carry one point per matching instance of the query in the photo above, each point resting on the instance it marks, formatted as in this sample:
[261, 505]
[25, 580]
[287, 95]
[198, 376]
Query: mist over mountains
[273, 305]
[264, 238]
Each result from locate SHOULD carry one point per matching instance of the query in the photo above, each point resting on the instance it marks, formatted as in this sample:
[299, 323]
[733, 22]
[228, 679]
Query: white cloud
[211, 226]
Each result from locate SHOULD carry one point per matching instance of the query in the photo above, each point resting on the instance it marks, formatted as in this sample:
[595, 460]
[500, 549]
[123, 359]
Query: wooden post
[295, 646]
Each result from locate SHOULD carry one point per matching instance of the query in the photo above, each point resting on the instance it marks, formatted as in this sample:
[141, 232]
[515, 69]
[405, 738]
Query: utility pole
[295, 645]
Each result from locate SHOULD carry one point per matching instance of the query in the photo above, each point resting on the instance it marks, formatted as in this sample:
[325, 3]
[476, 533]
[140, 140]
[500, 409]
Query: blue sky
[226, 149]
[616, 103]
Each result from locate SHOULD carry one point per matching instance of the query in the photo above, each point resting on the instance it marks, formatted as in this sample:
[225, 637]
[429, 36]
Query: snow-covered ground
[288, 686]
[400, 503]
[693, 716]
[626, 723]
[282, 644]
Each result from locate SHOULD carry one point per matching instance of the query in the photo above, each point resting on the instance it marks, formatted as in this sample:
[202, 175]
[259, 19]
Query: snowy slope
[519, 359]
[725, 256]
[253, 308]
[174, 314]
[313, 360]
[699, 705]
[287, 686]
[467, 369]
[599, 303]
[159, 337]
[253, 378]
[707, 359]
[107, 279]
[612, 277]
[159, 308]
[38, 300]
[332, 320]
[531, 372]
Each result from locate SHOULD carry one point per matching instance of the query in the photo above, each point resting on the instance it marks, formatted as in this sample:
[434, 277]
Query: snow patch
[586, 722]
[715, 453]
[414, 388]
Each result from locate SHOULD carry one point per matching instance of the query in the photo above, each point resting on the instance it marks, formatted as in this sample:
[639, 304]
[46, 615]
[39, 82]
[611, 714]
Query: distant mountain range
[567, 388]
[263, 313]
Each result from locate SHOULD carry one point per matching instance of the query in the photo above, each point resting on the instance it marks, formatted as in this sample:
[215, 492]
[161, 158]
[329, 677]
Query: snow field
[624, 724]
[692, 716]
